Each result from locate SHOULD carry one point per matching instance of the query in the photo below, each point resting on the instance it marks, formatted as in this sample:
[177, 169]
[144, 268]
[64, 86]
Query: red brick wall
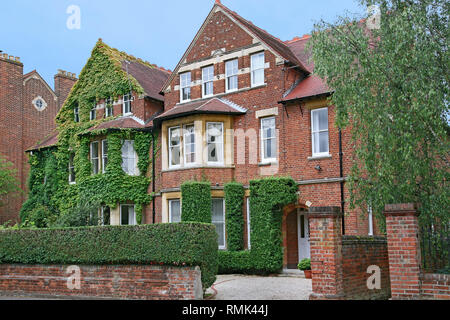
[139, 282]
[358, 254]
[435, 286]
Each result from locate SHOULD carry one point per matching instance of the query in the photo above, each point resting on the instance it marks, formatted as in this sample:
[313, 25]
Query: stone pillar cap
[401, 208]
[325, 211]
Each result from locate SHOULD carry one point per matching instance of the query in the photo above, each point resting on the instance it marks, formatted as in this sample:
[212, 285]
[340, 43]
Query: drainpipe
[341, 175]
[153, 177]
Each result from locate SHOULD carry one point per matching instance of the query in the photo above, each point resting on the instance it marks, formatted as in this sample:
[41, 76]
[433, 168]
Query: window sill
[322, 157]
[268, 163]
[199, 167]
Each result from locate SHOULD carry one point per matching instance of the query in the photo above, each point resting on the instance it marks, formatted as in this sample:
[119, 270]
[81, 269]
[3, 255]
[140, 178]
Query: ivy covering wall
[51, 197]
[234, 216]
[196, 201]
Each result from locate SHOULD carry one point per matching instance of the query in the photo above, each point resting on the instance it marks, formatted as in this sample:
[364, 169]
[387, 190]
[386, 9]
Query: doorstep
[292, 273]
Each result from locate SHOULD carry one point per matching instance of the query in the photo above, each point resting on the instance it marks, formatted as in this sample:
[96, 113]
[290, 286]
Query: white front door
[303, 236]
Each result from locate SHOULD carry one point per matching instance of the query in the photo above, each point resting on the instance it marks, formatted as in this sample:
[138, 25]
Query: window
[257, 69]
[71, 168]
[93, 113]
[108, 108]
[214, 131]
[94, 157]
[174, 147]
[218, 219]
[185, 86]
[249, 245]
[268, 139]
[369, 209]
[231, 73]
[126, 107]
[319, 130]
[129, 158]
[208, 81]
[104, 155]
[76, 114]
[105, 216]
[127, 215]
[174, 211]
[189, 144]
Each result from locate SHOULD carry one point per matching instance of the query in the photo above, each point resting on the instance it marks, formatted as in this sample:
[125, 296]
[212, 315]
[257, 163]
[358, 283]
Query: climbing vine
[51, 196]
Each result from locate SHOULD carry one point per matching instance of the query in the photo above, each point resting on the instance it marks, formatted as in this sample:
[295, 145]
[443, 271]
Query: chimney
[64, 82]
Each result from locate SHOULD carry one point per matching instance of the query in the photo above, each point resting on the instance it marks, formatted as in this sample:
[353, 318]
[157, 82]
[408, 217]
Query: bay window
[268, 140]
[129, 158]
[231, 74]
[208, 81]
[218, 219]
[185, 86]
[189, 144]
[127, 215]
[174, 147]
[257, 69]
[214, 132]
[319, 131]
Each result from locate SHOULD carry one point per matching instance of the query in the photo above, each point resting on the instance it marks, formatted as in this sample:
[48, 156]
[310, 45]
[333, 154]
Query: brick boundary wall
[358, 254]
[408, 282]
[339, 263]
[136, 282]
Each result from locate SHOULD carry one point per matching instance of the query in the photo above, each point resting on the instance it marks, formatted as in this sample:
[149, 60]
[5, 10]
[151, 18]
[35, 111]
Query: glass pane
[323, 141]
[323, 119]
[258, 76]
[175, 211]
[212, 152]
[217, 210]
[220, 229]
[131, 216]
[106, 216]
[186, 93]
[94, 150]
[208, 88]
[174, 137]
[125, 215]
[175, 155]
[232, 83]
[258, 61]
[269, 148]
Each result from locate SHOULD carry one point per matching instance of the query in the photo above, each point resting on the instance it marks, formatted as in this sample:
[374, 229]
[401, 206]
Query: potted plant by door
[305, 265]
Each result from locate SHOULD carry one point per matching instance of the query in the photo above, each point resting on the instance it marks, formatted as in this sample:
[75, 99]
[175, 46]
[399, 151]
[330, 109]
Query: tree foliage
[391, 89]
[8, 180]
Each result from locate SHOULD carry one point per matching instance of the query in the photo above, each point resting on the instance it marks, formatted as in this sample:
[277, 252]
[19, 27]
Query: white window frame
[96, 158]
[127, 99]
[221, 161]
[76, 114]
[104, 155]
[253, 69]
[249, 243]
[185, 133]
[370, 218]
[135, 157]
[170, 208]
[207, 78]
[262, 140]
[230, 74]
[71, 167]
[134, 222]
[109, 106]
[187, 85]
[170, 146]
[313, 131]
[224, 247]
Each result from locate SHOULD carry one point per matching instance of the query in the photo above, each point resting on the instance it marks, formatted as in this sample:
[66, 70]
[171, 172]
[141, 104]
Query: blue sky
[157, 31]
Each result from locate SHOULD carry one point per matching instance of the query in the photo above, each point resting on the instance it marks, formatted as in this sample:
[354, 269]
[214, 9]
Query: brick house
[28, 106]
[242, 104]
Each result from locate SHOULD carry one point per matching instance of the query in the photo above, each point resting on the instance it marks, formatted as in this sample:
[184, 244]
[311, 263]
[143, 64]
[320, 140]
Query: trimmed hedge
[234, 200]
[176, 244]
[267, 199]
[196, 202]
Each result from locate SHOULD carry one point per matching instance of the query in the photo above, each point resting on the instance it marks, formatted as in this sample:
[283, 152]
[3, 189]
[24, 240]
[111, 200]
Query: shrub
[304, 264]
[196, 202]
[234, 200]
[176, 244]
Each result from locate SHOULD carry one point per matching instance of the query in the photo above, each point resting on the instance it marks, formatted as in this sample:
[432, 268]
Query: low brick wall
[140, 282]
[358, 254]
[435, 286]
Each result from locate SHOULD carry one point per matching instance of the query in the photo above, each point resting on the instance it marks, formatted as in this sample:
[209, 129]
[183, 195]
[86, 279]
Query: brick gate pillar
[402, 227]
[325, 225]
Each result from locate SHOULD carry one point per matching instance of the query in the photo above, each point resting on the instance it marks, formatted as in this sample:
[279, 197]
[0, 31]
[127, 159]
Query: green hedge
[234, 201]
[267, 199]
[196, 202]
[168, 244]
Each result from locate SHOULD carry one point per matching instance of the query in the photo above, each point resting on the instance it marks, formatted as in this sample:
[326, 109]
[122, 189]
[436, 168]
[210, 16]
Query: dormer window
[185, 86]
[208, 81]
[127, 98]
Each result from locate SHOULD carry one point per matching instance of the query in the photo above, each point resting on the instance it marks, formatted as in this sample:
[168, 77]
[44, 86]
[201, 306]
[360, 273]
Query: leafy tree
[8, 180]
[392, 91]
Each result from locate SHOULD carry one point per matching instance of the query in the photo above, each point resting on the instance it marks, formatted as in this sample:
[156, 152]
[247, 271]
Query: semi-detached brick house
[28, 106]
[241, 104]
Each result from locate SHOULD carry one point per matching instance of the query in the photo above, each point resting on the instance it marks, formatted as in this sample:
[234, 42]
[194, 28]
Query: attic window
[127, 98]
[108, 108]
[39, 103]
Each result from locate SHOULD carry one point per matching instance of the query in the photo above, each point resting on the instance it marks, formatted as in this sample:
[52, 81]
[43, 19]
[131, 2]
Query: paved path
[242, 287]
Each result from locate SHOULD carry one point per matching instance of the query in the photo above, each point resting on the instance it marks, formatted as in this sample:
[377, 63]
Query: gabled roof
[275, 44]
[35, 75]
[210, 106]
[49, 141]
[311, 86]
[298, 48]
